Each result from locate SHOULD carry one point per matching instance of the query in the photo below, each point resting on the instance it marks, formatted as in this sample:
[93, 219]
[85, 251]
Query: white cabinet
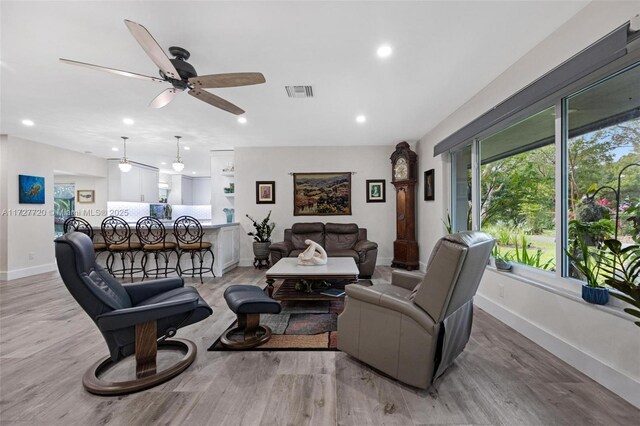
[229, 249]
[190, 191]
[201, 190]
[140, 184]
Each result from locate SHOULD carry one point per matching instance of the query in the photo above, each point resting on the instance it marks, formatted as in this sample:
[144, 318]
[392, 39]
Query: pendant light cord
[178, 147]
[124, 140]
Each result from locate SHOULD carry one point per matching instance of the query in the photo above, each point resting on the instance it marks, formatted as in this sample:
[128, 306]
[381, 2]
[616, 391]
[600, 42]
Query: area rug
[300, 326]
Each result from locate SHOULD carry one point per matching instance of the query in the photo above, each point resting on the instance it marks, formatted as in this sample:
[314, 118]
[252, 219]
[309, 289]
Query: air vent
[299, 91]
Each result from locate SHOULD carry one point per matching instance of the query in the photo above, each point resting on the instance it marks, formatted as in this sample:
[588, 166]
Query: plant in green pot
[261, 236]
[588, 264]
[621, 269]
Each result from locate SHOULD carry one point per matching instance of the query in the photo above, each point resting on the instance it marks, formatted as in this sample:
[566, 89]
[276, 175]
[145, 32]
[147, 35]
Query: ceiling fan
[180, 73]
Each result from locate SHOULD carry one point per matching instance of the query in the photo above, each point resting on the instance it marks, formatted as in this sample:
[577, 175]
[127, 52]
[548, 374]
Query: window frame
[558, 279]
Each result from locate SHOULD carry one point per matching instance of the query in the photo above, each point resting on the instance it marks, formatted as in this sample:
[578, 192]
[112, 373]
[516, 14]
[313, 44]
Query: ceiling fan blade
[216, 101]
[112, 70]
[164, 98]
[233, 79]
[153, 49]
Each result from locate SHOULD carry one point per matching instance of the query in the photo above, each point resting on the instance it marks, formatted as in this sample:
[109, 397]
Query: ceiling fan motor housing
[185, 69]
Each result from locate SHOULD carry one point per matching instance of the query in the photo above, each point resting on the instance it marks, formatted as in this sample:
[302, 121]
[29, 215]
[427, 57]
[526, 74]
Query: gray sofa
[338, 240]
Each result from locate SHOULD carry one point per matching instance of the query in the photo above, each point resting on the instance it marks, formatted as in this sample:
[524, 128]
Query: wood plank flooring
[502, 378]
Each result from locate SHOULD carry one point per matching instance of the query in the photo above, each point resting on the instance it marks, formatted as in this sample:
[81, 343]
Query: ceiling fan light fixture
[242, 120]
[178, 165]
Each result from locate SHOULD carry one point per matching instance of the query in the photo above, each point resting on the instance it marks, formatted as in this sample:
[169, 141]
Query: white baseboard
[617, 382]
[26, 272]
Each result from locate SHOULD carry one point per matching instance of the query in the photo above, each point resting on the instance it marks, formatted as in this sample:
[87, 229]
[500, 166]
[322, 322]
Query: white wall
[219, 201]
[597, 342]
[275, 164]
[29, 238]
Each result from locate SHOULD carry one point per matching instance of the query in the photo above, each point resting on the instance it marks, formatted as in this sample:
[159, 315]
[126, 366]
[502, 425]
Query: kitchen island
[224, 238]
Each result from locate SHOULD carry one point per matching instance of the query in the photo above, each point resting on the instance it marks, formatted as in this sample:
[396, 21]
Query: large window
[517, 190]
[563, 174]
[603, 143]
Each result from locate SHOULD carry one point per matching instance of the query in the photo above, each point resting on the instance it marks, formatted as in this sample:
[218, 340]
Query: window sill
[565, 287]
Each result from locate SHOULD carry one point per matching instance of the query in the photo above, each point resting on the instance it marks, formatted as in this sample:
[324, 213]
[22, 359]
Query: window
[603, 143]
[560, 172]
[517, 190]
[461, 185]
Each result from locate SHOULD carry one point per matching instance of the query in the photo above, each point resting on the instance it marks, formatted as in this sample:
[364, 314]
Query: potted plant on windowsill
[502, 261]
[621, 269]
[588, 264]
[261, 236]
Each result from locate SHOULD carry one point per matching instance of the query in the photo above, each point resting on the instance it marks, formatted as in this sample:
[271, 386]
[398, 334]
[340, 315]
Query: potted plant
[621, 269]
[262, 236]
[502, 261]
[588, 264]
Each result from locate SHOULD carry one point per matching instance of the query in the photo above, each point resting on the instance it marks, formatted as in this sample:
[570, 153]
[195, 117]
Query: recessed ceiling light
[186, 148]
[164, 163]
[115, 148]
[384, 51]
[128, 121]
[193, 173]
[28, 122]
[361, 119]
[242, 120]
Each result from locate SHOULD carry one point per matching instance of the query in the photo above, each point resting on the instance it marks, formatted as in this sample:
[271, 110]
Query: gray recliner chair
[415, 327]
[131, 318]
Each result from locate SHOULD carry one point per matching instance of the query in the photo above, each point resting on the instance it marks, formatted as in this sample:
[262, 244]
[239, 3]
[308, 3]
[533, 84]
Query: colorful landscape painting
[30, 189]
[317, 194]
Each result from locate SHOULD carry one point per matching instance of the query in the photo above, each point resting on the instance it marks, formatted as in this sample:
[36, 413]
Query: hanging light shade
[124, 164]
[178, 165]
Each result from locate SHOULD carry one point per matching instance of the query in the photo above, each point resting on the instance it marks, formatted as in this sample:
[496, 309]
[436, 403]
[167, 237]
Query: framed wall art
[429, 188]
[85, 196]
[265, 192]
[321, 194]
[376, 191]
[30, 189]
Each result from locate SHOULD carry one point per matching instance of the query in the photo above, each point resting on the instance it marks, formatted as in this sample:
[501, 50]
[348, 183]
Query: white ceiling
[443, 53]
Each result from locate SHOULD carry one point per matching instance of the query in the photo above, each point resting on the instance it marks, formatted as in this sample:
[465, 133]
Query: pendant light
[178, 165]
[124, 164]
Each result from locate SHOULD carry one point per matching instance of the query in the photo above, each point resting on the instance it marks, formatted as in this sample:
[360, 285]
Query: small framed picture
[376, 191]
[85, 196]
[429, 188]
[266, 192]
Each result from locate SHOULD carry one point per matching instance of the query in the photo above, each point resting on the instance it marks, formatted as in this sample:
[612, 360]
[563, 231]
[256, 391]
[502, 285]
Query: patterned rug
[301, 325]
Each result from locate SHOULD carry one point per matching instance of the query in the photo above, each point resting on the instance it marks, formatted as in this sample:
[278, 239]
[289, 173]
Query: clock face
[401, 170]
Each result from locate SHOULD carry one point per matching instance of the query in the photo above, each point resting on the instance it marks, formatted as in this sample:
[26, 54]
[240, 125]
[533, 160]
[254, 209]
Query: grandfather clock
[404, 169]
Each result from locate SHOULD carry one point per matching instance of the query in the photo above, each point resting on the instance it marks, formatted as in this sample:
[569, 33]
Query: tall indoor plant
[261, 236]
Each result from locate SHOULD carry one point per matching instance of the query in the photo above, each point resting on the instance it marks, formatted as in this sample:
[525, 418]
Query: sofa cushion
[340, 236]
[307, 231]
[295, 253]
[344, 253]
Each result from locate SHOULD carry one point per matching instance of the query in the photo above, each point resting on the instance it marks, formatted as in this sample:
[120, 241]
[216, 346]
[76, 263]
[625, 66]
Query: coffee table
[344, 268]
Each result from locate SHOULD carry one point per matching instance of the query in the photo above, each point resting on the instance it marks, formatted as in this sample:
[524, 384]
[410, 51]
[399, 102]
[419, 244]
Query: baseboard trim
[26, 272]
[617, 382]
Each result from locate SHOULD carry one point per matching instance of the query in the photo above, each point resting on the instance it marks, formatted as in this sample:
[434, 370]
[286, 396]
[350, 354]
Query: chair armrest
[394, 300]
[128, 317]
[408, 280]
[365, 245]
[142, 291]
[284, 247]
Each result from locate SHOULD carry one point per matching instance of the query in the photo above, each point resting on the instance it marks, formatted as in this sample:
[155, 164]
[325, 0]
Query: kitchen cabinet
[229, 250]
[140, 184]
[190, 191]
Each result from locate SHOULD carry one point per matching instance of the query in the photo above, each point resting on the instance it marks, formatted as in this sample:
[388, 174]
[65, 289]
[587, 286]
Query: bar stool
[188, 232]
[117, 234]
[153, 236]
[78, 224]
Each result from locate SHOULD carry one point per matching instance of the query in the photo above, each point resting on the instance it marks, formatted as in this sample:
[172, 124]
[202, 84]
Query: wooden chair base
[262, 335]
[92, 383]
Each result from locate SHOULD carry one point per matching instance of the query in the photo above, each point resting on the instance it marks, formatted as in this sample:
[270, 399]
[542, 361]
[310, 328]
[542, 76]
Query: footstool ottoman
[248, 302]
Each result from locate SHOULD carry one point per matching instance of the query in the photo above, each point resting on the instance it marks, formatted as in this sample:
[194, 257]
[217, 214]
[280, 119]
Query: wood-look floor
[47, 342]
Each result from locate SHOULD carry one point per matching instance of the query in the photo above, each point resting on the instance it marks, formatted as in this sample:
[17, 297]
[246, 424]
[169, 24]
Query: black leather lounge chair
[134, 318]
